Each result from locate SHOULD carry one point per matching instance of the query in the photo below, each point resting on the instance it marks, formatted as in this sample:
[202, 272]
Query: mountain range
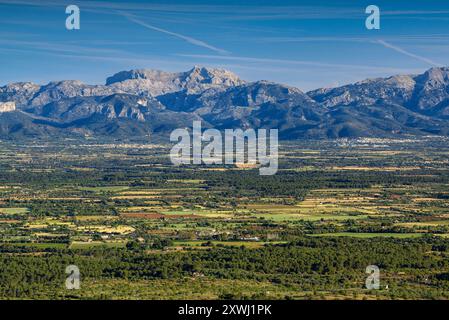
[137, 103]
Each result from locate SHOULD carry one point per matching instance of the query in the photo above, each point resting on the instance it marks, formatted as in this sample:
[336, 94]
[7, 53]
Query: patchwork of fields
[84, 203]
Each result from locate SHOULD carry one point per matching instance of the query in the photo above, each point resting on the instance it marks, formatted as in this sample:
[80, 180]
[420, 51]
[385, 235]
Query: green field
[370, 235]
[13, 210]
[94, 244]
[104, 189]
[39, 245]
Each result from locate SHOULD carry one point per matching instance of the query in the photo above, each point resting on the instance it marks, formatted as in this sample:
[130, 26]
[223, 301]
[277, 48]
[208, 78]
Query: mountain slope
[134, 104]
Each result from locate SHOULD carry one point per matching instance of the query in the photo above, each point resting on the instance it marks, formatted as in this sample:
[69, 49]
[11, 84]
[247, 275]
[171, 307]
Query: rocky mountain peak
[432, 88]
[19, 86]
[155, 82]
[19, 92]
[143, 74]
[203, 75]
[434, 77]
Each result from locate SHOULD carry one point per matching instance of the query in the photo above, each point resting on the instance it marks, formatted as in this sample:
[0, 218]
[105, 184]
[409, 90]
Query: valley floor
[137, 227]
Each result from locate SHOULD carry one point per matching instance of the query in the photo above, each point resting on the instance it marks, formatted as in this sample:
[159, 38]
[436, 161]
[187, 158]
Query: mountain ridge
[143, 102]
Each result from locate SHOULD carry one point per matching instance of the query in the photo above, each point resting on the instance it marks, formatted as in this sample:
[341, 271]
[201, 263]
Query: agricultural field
[140, 228]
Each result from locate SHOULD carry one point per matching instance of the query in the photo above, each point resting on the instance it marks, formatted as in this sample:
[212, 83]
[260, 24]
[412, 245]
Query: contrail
[190, 40]
[400, 50]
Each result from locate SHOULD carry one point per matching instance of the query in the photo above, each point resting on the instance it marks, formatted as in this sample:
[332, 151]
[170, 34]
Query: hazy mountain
[137, 103]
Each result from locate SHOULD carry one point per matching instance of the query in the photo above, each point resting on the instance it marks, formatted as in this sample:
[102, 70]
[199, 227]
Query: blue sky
[307, 44]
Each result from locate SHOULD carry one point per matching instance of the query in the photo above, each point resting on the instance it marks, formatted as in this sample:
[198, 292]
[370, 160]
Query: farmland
[139, 227]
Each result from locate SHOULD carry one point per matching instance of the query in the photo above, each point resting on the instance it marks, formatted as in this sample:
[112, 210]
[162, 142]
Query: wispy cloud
[414, 12]
[33, 45]
[407, 53]
[265, 61]
[190, 40]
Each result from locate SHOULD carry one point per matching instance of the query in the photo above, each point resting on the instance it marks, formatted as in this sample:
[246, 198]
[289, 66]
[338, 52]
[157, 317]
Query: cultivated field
[139, 227]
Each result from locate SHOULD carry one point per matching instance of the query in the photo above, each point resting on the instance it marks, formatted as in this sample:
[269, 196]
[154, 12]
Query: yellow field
[107, 229]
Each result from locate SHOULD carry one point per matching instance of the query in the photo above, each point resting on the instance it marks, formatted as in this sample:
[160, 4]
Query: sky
[306, 44]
